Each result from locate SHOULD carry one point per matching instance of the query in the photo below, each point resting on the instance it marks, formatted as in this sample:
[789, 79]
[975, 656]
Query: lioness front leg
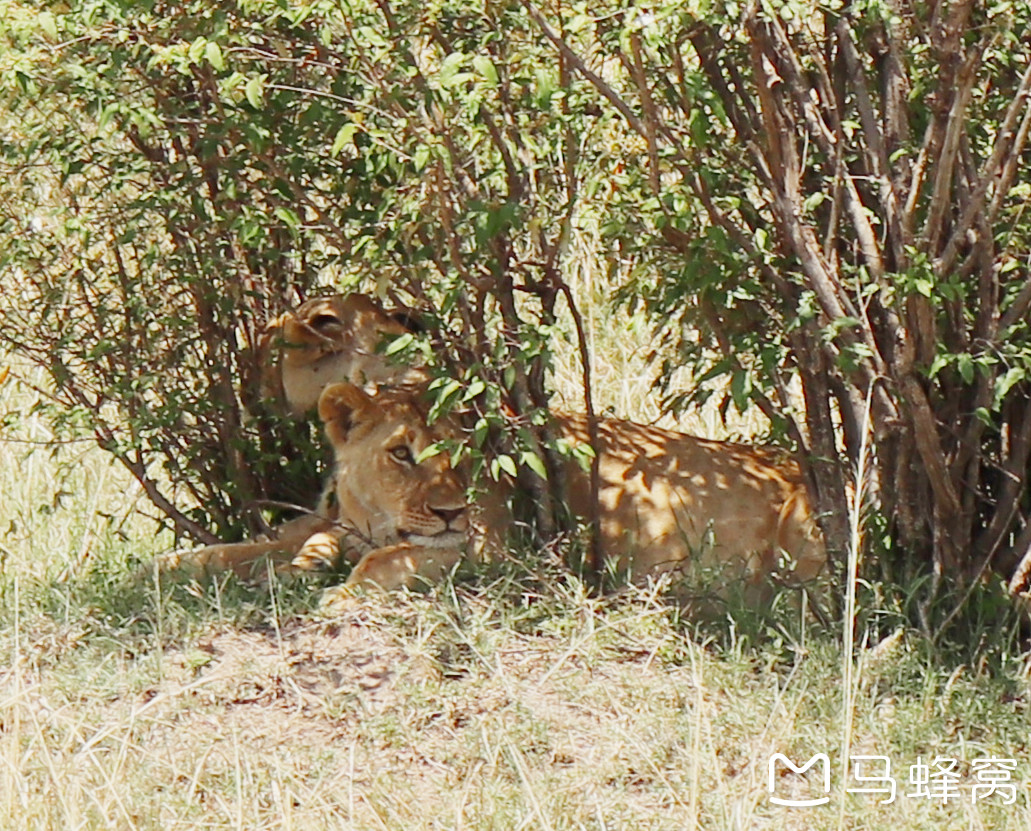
[403, 566]
[244, 559]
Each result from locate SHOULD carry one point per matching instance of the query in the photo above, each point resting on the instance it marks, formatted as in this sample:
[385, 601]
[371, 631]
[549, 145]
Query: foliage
[836, 188]
[808, 192]
[200, 165]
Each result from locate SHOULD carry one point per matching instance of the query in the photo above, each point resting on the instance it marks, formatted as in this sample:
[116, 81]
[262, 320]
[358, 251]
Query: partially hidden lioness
[327, 339]
[668, 502]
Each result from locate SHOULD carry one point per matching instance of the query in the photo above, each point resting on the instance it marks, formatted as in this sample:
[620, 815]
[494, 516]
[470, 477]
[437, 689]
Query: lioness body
[668, 502]
[674, 502]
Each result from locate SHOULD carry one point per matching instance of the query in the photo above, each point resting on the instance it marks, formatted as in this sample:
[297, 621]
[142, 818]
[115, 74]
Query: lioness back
[674, 502]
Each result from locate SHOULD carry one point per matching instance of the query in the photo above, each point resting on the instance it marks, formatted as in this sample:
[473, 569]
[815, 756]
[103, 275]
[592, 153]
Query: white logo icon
[780, 759]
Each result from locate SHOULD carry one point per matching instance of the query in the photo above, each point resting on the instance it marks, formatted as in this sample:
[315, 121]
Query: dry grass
[436, 712]
[624, 358]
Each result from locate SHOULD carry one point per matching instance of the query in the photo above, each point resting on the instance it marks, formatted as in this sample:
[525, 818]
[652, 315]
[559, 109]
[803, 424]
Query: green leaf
[813, 201]
[399, 343]
[421, 156]
[741, 390]
[255, 91]
[507, 464]
[289, 217]
[484, 65]
[533, 461]
[429, 452]
[213, 55]
[584, 455]
[197, 48]
[924, 286]
[48, 23]
[965, 367]
[937, 365]
[450, 388]
[474, 389]
[449, 74]
[547, 84]
[344, 136]
[1014, 375]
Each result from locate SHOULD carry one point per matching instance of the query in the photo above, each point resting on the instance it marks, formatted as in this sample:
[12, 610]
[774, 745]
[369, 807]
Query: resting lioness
[668, 502]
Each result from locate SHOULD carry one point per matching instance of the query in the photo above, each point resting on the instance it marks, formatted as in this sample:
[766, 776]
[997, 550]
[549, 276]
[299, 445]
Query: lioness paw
[320, 552]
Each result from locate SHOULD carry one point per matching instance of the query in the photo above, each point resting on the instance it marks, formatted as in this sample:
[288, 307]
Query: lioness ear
[340, 406]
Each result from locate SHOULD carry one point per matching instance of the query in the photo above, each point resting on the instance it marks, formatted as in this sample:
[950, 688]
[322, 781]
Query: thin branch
[878, 153]
[1014, 470]
[762, 401]
[947, 155]
[1019, 308]
[946, 41]
[1009, 172]
[739, 107]
[181, 521]
[1008, 145]
[594, 558]
[781, 152]
[928, 443]
[648, 105]
[575, 61]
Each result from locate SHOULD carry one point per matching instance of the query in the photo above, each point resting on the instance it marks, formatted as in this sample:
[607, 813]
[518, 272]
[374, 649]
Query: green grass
[508, 698]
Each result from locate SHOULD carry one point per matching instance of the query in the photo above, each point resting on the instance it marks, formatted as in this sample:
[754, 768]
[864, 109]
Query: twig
[946, 158]
[594, 558]
[1009, 141]
[577, 63]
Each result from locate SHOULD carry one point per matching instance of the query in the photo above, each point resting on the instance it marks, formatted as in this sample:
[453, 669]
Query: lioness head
[385, 488]
[330, 339]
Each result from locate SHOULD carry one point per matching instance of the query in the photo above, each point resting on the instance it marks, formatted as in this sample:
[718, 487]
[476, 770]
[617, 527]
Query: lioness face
[329, 339]
[385, 487]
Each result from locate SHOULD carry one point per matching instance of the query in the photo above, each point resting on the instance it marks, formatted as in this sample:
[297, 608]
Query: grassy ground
[508, 699]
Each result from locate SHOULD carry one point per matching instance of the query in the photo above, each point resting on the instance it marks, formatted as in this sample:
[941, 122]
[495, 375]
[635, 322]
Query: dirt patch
[303, 682]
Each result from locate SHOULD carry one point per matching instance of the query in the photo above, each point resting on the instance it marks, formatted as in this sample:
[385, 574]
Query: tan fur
[326, 340]
[395, 519]
[409, 513]
[716, 512]
[720, 514]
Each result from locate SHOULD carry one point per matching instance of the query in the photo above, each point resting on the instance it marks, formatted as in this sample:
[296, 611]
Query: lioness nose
[448, 514]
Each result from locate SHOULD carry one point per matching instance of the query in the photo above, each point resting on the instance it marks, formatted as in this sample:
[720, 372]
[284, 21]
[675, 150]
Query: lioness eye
[402, 454]
[324, 321]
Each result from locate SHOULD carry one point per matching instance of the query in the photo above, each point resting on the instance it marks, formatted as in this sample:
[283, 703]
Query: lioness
[327, 339]
[668, 502]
